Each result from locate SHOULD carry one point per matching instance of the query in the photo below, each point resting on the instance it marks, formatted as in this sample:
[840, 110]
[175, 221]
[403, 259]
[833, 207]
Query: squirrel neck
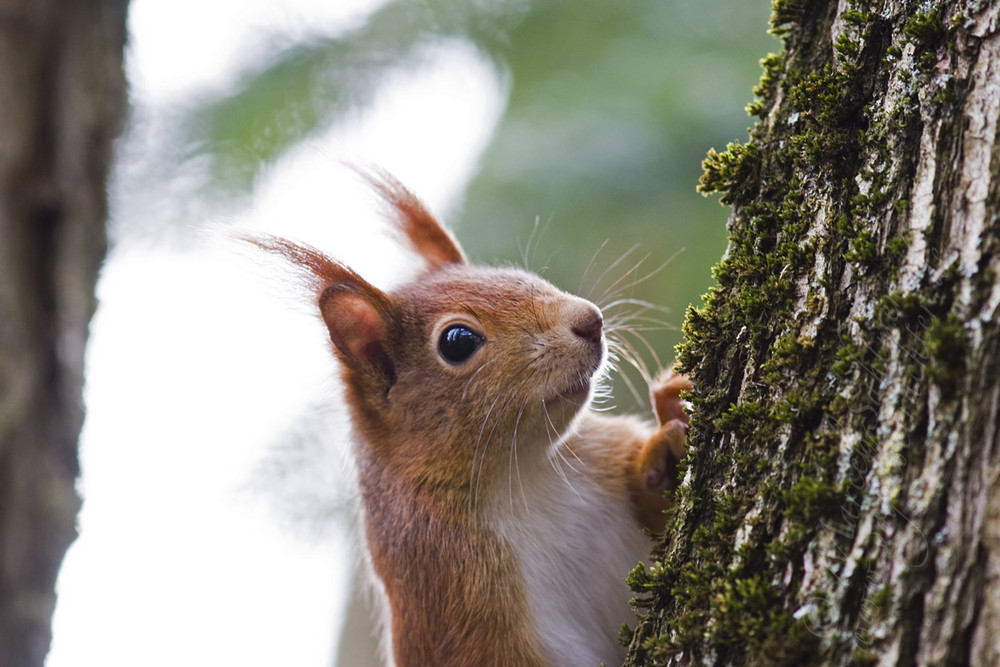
[432, 510]
[460, 475]
[453, 585]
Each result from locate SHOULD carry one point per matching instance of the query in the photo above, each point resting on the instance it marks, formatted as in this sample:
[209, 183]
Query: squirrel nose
[589, 326]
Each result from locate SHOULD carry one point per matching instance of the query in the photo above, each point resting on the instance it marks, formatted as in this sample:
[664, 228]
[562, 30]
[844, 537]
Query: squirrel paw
[665, 393]
[661, 455]
[662, 452]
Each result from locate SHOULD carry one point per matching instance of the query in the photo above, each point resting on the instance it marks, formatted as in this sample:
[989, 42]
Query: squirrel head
[445, 374]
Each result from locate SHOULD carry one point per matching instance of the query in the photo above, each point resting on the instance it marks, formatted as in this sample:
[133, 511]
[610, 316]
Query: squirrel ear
[358, 317]
[427, 236]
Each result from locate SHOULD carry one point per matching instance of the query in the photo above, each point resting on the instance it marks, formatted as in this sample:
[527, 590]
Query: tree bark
[62, 94]
[841, 498]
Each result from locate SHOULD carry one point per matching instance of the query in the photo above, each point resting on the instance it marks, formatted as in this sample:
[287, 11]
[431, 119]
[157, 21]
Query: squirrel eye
[458, 343]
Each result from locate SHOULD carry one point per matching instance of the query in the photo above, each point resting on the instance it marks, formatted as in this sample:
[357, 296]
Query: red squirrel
[501, 513]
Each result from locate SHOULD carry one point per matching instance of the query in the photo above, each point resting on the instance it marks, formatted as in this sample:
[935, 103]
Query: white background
[200, 361]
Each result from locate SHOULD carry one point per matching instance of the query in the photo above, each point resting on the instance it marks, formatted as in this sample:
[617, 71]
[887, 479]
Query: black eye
[458, 343]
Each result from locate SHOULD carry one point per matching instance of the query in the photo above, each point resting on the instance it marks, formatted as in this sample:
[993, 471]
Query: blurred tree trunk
[62, 95]
[842, 496]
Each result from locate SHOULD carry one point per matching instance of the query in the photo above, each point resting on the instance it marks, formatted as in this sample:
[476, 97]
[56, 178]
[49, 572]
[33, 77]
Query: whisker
[601, 396]
[626, 352]
[482, 461]
[549, 426]
[538, 241]
[527, 246]
[590, 265]
[551, 432]
[472, 377]
[625, 320]
[619, 285]
[645, 343]
[477, 474]
[620, 329]
[643, 306]
[534, 242]
[638, 281]
[558, 452]
[631, 388]
[475, 479]
[516, 465]
[562, 473]
[630, 354]
[608, 270]
[575, 456]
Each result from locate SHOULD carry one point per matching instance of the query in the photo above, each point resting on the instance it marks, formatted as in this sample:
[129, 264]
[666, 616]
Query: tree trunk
[61, 104]
[841, 500]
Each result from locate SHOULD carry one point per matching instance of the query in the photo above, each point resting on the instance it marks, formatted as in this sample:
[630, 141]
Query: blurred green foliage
[613, 105]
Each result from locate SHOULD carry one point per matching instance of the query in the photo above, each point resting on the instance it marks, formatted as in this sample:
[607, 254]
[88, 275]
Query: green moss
[896, 247]
[863, 248]
[926, 31]
[946, 342]
[810, 499]
[865, 658]
[795, 406]
[783, 14]
[752, 337]
[847, 357]
[902, 310]
[728, 171]
[789, 352]
[773, 298]
[926, 28]
[947, 91]
[748, 616]
[854, 16]
[848, 49]
[756, 108]
[773, 65]
[895, 251]
[745, 616]
[741, 418]
[821, 95]
[881, 601]
[624, 635]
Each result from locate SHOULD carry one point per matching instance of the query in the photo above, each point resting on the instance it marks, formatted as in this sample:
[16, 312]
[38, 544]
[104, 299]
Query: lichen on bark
[843, 448]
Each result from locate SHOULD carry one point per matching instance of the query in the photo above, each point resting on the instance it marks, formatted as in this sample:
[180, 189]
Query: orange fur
[439, 445]
[431, 241]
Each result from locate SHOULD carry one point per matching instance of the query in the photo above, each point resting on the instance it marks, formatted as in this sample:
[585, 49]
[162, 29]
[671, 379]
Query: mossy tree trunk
[841, 502]
[61, 104]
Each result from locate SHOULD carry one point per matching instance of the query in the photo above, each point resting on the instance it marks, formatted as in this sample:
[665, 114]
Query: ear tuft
[427, 236]
[357, 315]
[314, 268]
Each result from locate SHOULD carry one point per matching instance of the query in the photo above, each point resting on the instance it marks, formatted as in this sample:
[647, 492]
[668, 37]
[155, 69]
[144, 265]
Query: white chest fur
[575, 542]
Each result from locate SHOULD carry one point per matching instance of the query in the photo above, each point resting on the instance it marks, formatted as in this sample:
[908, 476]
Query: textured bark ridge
[61, 103]
[841, 501]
